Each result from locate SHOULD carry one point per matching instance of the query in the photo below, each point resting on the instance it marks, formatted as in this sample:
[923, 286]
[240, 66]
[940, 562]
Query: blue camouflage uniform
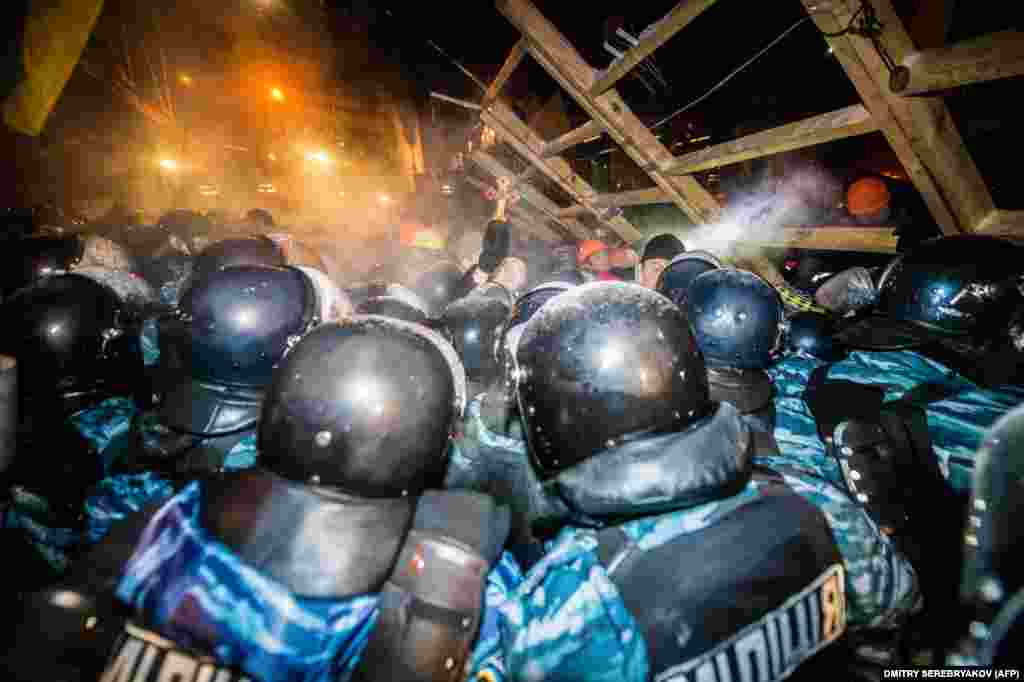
[194, 590]
[116, 495]
[567, 619]
[956, 423]
[882, 589]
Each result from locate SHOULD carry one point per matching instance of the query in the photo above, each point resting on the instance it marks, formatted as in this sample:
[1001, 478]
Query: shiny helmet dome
[956, 286]
[366, 406]
[219, 348]
[810, 334]
[240, 320]
[736, 318]
[601, 364]
[439, 286]
[525, 307]
[472, 325]
[237, 251]
[993, 544]
[75, 339]
[675, 280]
[334, 304]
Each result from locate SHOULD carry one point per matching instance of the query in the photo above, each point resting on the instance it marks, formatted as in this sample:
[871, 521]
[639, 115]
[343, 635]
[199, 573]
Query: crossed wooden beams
[919, 129]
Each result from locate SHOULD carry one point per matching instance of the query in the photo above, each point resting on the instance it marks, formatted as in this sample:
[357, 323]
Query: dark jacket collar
[707, 462]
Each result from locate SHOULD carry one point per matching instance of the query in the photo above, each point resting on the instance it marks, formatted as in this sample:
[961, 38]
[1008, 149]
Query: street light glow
[319, 155]
[384, 198]
[169, 164]
[276, 94]
[272, 156]
[185, 79]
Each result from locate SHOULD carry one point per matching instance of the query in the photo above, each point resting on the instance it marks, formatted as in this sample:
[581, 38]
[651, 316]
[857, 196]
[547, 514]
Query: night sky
[795, 79]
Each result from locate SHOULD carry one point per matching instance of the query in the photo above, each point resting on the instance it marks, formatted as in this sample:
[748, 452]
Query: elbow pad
[431, 606]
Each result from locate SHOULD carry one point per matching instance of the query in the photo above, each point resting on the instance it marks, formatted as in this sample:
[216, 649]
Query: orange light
[276, 94]
[319, 155]
[169, 164]
[272, 156]
[185, 79]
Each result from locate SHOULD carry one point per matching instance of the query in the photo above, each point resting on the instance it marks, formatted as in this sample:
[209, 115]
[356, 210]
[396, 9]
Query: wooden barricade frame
[905, 105]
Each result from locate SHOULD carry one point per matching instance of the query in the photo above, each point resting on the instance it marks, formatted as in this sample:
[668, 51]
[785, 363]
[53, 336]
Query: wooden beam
[1003, 224]
[834, 125]
[518, 216]
[993, 56]
[636, 197]
[529, 145]
[653, 37]
[558, 57]
[919, 130]
[511, 62]
[455, 100]
[828, 238]
[530, 194]
[576, 136]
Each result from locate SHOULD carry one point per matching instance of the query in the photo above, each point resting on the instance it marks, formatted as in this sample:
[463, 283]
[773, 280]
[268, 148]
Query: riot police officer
[334, 550]
[657, 499]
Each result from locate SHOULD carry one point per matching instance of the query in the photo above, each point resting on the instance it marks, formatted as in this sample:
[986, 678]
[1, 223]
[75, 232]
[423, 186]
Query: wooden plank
[653, 37]
[454, 100]
[834, 125]
[517, 216]
[554, 53]
[828, 238]
[1003, 223]
[919, 130]
[576, 136]
[530, 194]
[989, 57]
[511, 62]
[529, 145]
[636, 197]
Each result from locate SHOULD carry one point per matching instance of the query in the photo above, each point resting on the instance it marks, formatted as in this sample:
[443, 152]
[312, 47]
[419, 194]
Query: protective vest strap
[763, 587]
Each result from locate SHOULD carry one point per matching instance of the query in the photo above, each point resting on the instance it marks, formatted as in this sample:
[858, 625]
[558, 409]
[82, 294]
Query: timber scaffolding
[901, 99]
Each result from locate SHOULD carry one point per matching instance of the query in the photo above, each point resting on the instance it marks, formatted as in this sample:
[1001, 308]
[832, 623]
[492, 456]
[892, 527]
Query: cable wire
[731, 75]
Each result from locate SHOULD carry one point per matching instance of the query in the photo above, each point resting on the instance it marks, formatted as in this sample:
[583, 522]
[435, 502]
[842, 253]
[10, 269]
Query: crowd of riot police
[235, 456]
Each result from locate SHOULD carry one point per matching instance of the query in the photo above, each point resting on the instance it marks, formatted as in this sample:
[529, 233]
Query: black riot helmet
[810, 334]
[27, 260]
[439, 286]
[601, 364]
[992, 583]
[241, 319]
[221, 345]
[675, 280]
[75, 341]
[472, 325]
[960, 286]
[237, 251]
[736, 318]
[525, 307]
[366, 406]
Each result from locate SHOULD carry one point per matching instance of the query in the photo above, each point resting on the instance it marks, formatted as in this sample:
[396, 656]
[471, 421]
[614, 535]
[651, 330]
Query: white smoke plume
[759, 218]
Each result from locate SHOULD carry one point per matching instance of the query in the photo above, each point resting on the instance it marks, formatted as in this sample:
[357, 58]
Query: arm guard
[431, 606]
